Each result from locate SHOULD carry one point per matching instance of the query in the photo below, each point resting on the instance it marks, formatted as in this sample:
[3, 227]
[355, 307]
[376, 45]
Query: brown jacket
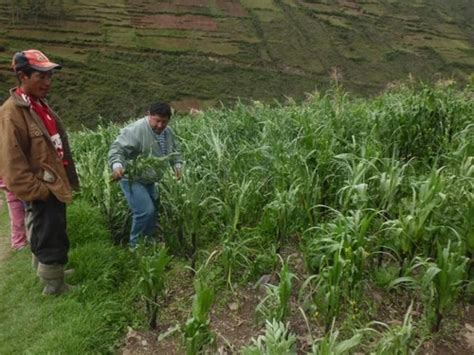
[29, 163]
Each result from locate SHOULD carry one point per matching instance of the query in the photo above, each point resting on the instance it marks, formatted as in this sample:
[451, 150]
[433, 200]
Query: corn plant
[444, 279]
[281, 209]
[331, 289]
[277, 340]
[188, 205]
[152, 278]
[237, 256]
[236, 200]
[350, 234]
[461, 201]
[310, 194]
[337, 254]
[422, 123]
[324, 293]
[413, 230]
[440, 284]
[354, 192]
[196, 332]
[470, 233]
[389, 178]
[275, 305]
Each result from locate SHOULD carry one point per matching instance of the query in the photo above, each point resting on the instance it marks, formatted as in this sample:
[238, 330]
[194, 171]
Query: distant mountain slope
[120, 55]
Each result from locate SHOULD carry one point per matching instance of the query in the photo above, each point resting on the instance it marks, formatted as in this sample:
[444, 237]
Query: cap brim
[48, 67]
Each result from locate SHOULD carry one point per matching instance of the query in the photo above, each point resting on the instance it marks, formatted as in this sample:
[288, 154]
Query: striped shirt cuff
[116, 166]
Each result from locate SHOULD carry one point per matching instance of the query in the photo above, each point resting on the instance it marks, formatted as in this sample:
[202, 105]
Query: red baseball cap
[34, 59]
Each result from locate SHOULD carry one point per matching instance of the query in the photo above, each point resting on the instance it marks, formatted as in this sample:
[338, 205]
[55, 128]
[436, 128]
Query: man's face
[37, 85]
[158, 123]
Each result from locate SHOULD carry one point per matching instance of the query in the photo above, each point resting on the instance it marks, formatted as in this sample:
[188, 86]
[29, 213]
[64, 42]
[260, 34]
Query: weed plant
[397, 339]
[277, 340]
[331, 345]
[276, 304]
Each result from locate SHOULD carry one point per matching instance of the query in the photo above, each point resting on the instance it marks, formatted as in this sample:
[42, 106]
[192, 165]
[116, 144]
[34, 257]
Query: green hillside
[120, 55]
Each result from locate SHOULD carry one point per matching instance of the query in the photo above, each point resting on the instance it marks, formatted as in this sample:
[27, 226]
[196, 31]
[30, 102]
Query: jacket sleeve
[123, 148]
[15, 169]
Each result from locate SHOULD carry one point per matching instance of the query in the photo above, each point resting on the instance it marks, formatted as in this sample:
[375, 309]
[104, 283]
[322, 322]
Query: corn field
[374, 196]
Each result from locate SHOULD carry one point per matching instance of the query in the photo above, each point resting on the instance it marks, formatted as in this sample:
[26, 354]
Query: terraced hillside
[120, 55]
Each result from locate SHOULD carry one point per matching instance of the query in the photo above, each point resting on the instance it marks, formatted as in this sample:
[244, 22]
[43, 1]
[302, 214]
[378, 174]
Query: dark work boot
[53, 279]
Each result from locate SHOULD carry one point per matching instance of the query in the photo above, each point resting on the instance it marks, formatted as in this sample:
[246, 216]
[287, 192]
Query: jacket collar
[37, 120]
[20, 102]
[17, 100]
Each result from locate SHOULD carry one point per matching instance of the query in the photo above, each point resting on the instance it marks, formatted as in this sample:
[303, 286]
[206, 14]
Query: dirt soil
[234, 9]
[459, 341]
[184, 22]
[234, 323]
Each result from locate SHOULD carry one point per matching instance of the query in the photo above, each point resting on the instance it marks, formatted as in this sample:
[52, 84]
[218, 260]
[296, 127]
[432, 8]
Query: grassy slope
[120, 57]
[4, 228]
[90, 319]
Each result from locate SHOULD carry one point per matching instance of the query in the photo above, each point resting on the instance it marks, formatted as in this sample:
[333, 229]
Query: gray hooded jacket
[138, 140]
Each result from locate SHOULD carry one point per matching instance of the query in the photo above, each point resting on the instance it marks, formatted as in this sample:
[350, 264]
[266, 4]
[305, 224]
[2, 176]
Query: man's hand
[118, 173]
[178, 172]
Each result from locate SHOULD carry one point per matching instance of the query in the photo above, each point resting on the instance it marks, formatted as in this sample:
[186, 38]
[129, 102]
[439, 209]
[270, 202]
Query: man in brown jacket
[36, 164]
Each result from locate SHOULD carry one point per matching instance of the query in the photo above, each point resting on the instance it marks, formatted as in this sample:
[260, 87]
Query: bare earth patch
[186, 105]
[233, 323]
[168, 21]
[234, 9]
[233, 318]
[192, 2]
[458, 341]
[192, 105]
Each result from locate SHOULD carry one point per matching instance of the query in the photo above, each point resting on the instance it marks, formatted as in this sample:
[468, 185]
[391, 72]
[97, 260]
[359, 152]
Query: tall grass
[92, 318]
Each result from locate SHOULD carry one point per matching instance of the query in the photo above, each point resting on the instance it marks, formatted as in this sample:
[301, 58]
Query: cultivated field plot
[335, 226]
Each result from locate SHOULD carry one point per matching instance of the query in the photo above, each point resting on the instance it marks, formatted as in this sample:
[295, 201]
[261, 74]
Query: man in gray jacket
[150, 136]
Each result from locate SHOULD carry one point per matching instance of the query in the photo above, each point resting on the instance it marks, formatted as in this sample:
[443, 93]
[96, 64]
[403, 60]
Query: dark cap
[34, 59]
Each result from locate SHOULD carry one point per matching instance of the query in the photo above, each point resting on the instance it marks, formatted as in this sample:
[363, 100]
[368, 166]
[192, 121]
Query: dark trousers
[47, 225]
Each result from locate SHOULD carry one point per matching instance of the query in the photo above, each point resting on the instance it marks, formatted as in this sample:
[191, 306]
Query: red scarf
[44, 112]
